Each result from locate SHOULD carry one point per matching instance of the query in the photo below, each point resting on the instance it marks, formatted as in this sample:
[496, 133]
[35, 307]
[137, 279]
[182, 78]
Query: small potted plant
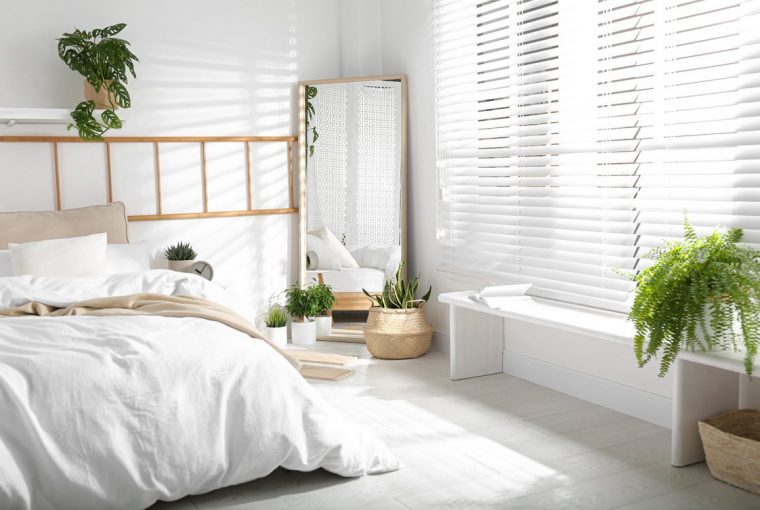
[276, 322]
[325, 300]
[180, 256]
[302, 308]
[693, 296]
[396, 326]
[104, 61]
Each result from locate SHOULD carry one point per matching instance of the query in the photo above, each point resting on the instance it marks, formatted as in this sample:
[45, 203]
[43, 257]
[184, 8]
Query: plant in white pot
[396, 326]
[276, 322]
[701, 293]
[180, 256]
[302, 308]
[325, 299]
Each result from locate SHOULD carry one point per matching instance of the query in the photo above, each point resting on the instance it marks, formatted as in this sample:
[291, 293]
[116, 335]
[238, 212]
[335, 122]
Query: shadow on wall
[188, 86]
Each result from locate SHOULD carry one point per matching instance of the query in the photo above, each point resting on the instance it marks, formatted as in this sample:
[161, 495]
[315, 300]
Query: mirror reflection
[354, 159]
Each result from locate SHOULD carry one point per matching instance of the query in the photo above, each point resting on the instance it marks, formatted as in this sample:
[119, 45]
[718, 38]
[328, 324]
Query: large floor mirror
[353, 184]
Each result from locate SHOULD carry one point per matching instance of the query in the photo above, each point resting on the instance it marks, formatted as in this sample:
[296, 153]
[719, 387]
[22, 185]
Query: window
[573, 136]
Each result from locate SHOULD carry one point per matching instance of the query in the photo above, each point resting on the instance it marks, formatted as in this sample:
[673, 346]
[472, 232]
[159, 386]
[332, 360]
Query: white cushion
[72, 256]
[336, 248]
[6, 266]
[126, 258]
[320, 255]
[386, 258]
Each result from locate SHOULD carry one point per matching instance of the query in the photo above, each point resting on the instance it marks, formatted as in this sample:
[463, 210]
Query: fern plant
[692, 296]
[398, 293]
[276, 317]
[180, 251]
[104, 61]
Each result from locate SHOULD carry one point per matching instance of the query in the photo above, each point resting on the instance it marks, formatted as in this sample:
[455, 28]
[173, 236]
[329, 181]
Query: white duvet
[117, 412]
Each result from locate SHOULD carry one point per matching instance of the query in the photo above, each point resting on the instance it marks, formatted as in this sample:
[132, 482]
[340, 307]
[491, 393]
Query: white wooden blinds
[572, 136]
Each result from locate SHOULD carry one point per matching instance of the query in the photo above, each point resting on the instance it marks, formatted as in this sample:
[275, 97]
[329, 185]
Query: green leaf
[112, 30]
[120, 94]
[110, 119]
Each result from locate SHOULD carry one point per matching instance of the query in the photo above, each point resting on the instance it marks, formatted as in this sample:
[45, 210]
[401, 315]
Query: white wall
[206, 68]
[360, 39]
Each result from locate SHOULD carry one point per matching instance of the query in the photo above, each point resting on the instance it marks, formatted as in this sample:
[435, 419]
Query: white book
[500, 296]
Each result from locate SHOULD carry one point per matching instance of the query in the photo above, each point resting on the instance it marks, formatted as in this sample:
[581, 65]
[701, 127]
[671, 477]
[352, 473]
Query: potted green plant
[276, 322]
[302, 308]
[325, 299]
[693, 296]
[104, 61]
[396, 326]
[180, 256]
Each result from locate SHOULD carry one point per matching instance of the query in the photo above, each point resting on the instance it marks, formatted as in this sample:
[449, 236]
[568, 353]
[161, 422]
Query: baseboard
[441, 342]
[618, 397]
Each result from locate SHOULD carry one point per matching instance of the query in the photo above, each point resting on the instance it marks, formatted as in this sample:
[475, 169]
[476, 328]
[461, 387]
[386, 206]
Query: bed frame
[157, 141]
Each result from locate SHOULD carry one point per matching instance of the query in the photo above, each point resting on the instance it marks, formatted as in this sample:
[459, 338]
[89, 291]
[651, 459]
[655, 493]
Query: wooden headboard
[156, 141]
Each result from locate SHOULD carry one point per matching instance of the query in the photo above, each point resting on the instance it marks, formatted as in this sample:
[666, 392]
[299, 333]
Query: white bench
[473, 357]
[705, 384]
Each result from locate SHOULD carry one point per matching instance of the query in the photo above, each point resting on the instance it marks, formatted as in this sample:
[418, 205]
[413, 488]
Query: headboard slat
[156, 141]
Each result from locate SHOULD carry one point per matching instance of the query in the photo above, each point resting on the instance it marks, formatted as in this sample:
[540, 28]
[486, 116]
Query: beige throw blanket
[149, 304]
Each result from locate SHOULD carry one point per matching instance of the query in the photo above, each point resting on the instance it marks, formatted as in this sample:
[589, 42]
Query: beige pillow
[23, 227]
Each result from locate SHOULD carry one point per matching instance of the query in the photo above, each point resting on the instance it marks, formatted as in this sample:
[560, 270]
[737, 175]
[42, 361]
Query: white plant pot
[278, 336]
[324, 326]
[304, 333]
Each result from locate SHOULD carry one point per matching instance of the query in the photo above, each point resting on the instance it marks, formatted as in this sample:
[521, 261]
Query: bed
[109, 405]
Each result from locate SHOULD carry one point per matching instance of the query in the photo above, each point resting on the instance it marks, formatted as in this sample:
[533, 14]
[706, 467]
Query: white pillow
[320, 256]
[336, 247]
[125, 258]
[72, 256]
[6, 266]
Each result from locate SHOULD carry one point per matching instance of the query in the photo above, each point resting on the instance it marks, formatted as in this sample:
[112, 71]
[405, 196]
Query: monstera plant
[105, 62]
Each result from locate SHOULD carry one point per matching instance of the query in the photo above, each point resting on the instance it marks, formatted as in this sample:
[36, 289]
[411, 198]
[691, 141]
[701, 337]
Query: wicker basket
[397, 333]
[732, 448]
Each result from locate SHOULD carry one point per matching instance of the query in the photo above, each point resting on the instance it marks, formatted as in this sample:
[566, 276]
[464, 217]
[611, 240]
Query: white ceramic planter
[324, 326]
[278, 336]
[303, 333]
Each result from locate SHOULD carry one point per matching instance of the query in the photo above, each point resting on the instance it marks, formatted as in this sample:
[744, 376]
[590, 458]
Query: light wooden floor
[489, 442]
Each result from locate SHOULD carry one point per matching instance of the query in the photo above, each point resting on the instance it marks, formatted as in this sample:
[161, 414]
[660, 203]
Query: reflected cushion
[319, 255]
[332, 243]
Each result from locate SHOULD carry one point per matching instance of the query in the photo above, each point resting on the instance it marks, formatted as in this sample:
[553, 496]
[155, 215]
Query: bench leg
[699, 392]
[476, 343]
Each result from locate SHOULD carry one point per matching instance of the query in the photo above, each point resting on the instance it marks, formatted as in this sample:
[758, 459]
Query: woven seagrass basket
[732, 448]
[397, 333]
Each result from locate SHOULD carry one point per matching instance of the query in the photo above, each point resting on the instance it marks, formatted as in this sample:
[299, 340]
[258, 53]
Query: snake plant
[398, 293]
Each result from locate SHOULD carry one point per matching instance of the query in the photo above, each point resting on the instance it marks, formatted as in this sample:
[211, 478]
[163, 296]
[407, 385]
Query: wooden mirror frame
[347, 300]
